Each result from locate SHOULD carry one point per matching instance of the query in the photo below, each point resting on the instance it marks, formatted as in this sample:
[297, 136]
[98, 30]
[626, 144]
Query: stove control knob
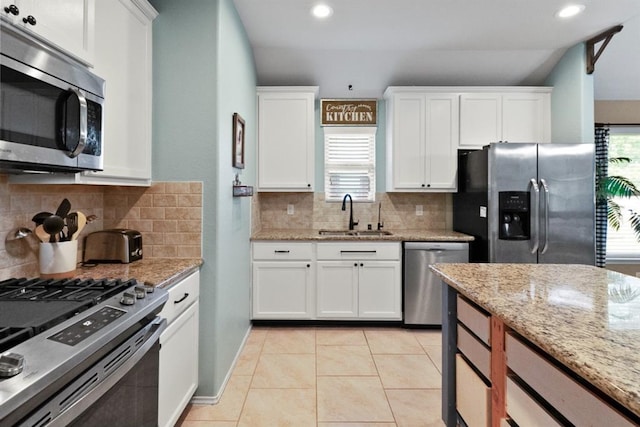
[140, 292]
[149, 288]
[128, 298]
[11, 364]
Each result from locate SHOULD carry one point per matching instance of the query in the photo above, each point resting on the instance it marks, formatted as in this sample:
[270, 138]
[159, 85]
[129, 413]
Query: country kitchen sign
[348, 112]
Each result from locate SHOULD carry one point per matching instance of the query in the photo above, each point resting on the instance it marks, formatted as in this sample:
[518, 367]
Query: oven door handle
[85, 400]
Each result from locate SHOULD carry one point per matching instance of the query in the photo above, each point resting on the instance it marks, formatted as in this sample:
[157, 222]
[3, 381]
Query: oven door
[120, 390]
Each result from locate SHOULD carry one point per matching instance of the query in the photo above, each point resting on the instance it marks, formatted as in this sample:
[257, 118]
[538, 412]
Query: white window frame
[334, 166]
[627, 251]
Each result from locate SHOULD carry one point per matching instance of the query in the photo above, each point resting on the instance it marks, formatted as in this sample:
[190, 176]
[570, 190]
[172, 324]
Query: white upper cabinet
[422, 139]
[128, 96]
[518, 115]
[286, 138]
[65, 24]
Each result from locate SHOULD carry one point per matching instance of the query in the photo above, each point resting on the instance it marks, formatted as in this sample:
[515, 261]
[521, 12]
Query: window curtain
[602, 162]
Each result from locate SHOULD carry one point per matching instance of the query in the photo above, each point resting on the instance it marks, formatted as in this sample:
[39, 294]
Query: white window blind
[350, 163]
[622, 245]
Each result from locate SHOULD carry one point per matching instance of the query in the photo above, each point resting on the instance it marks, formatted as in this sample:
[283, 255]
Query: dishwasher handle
[436, 246]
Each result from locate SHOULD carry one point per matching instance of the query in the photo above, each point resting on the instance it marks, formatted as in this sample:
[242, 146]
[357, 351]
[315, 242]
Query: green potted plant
[617, 186]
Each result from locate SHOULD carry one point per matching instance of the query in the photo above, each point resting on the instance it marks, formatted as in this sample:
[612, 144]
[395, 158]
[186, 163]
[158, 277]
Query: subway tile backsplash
[168, 214]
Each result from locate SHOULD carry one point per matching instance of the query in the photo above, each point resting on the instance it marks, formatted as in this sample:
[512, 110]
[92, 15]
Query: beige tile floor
[330, 377]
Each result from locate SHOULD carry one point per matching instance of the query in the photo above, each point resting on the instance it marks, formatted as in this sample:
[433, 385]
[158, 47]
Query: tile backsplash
[168, 214]
[311, 211]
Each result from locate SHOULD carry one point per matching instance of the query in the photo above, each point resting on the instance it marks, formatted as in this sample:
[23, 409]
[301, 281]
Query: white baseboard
[212, 400]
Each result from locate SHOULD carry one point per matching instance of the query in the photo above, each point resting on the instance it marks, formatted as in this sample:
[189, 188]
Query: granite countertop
[161, 272]
[398, 236]
[585, 317]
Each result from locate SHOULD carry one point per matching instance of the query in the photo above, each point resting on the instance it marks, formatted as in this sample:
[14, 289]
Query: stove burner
[30, 306]
[61, 289]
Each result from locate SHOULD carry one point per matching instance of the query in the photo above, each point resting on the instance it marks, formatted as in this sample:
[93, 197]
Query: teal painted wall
[203, 73]
[572, 103]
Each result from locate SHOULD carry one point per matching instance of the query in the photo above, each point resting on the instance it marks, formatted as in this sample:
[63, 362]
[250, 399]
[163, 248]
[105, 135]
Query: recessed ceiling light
[569, 11]
[321, 11]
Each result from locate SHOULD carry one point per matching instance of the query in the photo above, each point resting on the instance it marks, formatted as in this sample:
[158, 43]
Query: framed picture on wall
[238, 141]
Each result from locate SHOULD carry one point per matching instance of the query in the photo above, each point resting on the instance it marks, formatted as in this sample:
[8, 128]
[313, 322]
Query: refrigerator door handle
[545, 187]
[535, 221]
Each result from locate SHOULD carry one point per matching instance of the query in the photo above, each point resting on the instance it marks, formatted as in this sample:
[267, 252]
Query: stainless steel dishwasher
[422, 297]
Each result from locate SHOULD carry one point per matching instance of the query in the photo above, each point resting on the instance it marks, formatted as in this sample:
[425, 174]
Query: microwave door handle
[545, 187]
[82, 138]
[536, 215]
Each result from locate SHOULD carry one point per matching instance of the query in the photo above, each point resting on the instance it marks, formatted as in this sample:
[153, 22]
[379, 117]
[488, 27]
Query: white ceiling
[372, 44]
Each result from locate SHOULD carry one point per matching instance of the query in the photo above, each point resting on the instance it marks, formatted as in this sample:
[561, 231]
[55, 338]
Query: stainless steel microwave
[51, 109]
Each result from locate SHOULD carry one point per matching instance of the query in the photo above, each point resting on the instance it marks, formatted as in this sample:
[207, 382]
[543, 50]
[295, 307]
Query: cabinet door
[127, 127]
[282, 290]
[480, 119]
[178, 370]
[379, 290]
[67, 24]
[525, 117]
[408, 151]
[442, 140]
[337, 289]
[286, 141]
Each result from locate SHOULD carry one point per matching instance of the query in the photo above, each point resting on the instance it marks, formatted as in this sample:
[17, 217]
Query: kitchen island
[579, 324]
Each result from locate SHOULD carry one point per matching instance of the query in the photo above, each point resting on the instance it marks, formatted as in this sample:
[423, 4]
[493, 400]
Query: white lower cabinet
[359, 281]
[178, 378]
[337, 289]
[326, 281]
[283, 275]
[282, 290]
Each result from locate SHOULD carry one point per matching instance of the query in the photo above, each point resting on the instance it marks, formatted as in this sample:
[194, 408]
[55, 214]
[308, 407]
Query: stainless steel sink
[355, 233]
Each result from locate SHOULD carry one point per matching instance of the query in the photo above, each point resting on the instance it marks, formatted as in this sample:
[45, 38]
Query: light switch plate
[290, 210]
[419, 210]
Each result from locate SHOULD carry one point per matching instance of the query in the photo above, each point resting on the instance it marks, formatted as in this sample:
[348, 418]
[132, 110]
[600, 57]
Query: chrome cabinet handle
[358, 252]
[545, 187]
[536, 217]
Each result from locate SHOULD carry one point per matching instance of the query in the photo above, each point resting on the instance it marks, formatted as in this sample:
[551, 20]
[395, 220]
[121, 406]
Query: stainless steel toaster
[113, 246]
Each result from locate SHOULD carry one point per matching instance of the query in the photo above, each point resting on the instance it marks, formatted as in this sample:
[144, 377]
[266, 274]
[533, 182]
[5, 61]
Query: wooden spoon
[81, 222]
[42, 235]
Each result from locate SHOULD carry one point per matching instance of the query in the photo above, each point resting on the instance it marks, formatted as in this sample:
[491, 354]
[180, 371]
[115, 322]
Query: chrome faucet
[352, 223]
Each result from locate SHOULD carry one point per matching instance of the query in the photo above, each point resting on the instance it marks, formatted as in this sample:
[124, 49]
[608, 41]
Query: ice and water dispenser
[514, 215]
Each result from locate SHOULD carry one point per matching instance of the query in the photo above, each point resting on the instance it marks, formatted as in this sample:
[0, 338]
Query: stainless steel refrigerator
[527, 203]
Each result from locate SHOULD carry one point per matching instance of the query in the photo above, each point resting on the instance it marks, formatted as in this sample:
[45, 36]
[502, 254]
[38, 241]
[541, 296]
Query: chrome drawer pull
[358, 252]
[281, 252]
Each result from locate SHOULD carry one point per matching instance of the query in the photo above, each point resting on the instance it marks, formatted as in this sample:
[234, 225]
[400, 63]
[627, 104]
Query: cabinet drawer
[579, 405]
[477, 321]
[524, 410]
[359, 251]
[181, 296]
[473, 397]
[477, 353]
[282, 251]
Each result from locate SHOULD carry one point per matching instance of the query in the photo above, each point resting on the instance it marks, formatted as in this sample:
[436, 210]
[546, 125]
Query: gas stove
[54, 330]
[31, 306]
